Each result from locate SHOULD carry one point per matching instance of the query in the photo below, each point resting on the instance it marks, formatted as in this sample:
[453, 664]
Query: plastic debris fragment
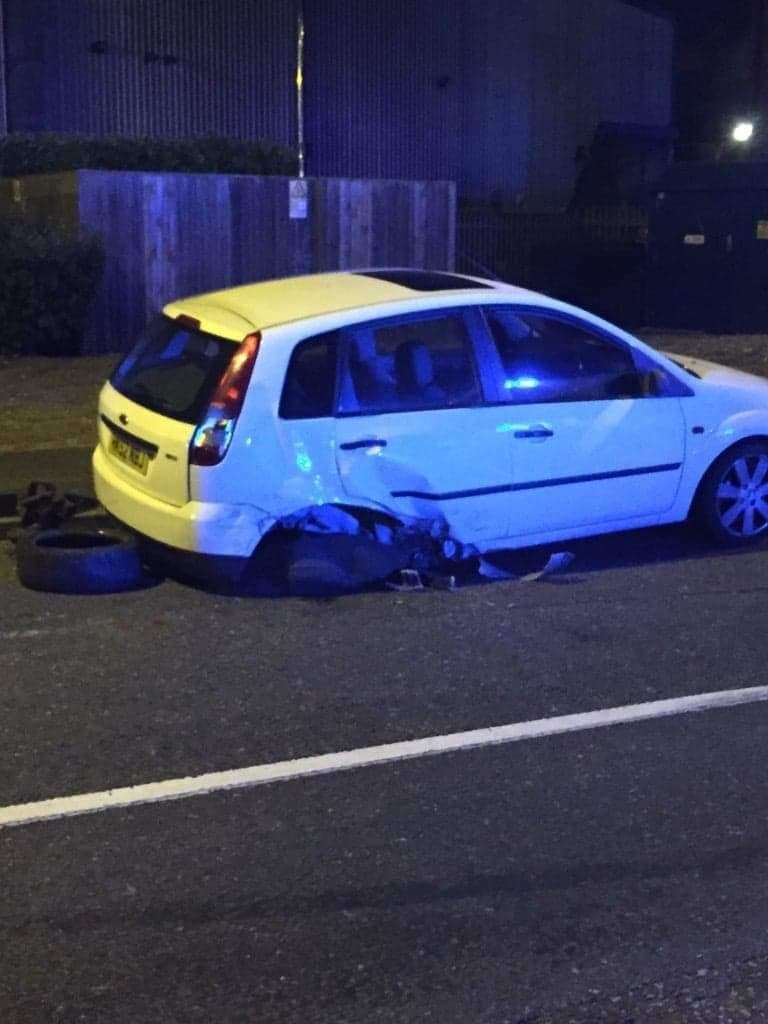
[43, 506]
[326, 519]
[440, 581]
[450, 548]
[406, 579]
[421, 553]
[489, 571]
[556, 563]
[384, 534]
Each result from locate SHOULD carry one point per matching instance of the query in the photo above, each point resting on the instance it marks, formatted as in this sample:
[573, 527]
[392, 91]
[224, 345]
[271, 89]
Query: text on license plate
[133, 457]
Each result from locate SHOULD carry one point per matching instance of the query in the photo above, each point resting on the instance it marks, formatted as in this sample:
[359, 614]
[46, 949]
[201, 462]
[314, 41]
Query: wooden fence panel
[170, 235]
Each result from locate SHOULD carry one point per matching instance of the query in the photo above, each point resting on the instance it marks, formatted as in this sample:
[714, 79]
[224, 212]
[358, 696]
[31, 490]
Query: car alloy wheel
[732, 502]
[742, 496]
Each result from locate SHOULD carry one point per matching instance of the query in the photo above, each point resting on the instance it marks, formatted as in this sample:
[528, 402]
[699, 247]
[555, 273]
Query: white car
[484, 414]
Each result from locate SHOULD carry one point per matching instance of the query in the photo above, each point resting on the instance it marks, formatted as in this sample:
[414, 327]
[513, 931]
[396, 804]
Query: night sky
[715, 79]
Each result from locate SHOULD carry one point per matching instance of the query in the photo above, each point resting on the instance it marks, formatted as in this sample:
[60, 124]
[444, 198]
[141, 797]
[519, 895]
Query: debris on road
[340, 548]
[558, 562]
[441, 581]
[52, 556]
[335, 549]
[406, 579]
[473, 567]
[42, 506]
[78, 561]
[489, 571]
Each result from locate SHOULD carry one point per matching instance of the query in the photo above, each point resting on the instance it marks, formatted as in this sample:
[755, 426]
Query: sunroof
[424, 280]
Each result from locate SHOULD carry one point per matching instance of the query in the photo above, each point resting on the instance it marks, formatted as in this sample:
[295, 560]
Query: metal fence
[506, 240]
[595, 257]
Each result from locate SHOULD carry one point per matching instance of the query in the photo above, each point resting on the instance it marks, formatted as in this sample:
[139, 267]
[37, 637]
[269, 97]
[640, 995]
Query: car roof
[236, 311]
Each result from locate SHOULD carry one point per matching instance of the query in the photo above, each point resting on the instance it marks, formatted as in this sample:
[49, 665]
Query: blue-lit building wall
[385, 88]
[152, 67]
[496, 96]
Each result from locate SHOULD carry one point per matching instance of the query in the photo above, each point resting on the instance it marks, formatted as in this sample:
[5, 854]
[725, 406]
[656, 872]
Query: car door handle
[535, 432]
[368, 442]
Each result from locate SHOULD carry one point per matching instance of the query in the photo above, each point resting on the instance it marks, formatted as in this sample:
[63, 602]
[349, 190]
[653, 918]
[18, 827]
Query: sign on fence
[298, 199]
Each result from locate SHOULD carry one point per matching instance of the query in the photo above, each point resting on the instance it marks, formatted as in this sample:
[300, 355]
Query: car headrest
[363, 345]
[413, 366]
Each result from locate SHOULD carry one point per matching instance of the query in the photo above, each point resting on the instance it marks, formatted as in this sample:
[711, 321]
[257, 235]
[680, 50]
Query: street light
[743, 131]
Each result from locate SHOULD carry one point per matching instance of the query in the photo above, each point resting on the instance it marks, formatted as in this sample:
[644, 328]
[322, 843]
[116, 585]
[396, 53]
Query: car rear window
[173, 369]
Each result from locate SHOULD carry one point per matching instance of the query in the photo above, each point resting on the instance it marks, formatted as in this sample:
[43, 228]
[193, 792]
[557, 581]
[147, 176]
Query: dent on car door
[594, 437]
[412, 433]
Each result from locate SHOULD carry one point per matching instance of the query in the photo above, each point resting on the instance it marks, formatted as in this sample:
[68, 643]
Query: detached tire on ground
[70, 561]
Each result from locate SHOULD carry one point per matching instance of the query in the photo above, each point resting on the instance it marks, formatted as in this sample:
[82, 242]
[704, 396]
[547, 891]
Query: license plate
[133, 457]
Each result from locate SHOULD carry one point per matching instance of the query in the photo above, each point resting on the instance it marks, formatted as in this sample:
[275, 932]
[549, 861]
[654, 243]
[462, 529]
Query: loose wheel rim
[741, 498]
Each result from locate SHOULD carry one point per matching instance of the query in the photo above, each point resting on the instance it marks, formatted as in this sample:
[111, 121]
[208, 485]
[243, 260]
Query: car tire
[75, 561]
[728, 505]
[321, 565]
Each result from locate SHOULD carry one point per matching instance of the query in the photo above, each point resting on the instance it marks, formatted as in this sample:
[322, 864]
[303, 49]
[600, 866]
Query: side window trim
[332, 340]
[567, 318]
[474, 329]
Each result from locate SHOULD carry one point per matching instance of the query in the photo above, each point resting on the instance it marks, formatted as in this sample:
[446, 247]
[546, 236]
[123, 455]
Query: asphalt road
[618, 874]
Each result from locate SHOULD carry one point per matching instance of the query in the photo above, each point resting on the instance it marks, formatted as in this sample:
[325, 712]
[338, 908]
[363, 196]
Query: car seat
[367, 381]
[415, 374]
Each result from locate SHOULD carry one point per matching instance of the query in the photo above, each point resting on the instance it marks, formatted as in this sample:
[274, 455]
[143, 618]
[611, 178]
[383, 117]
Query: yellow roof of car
[236, 311]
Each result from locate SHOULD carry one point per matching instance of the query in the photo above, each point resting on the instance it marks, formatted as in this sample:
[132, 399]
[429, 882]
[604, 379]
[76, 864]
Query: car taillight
[212, 437]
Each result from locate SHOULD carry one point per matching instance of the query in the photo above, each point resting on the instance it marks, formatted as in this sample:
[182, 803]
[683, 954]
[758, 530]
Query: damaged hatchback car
[352, 424]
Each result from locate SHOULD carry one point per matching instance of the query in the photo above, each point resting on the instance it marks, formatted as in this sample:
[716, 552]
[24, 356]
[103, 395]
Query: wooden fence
[170, 235]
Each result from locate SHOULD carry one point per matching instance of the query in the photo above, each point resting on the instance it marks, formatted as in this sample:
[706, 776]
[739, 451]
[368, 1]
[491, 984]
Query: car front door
[597, 434]
[412, 433]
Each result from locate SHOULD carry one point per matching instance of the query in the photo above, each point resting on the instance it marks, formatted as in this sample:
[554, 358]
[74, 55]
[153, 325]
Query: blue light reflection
[521, 382]
[303, 462]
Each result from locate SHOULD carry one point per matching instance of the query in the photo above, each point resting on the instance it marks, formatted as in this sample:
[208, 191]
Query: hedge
[47, 152]
[47, 280]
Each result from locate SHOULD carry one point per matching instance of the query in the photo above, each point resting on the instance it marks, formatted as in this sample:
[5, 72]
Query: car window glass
[665, 384]
[401, 365]
[547, 359]
[173, 369]
[310, 381]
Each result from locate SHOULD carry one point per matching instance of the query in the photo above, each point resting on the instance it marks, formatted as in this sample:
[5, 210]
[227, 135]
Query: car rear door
[412, 433]
[586, 446]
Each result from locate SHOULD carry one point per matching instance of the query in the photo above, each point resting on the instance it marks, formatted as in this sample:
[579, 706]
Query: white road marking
[32, 634]
[46, 631]
[282, 771]
[21, 634]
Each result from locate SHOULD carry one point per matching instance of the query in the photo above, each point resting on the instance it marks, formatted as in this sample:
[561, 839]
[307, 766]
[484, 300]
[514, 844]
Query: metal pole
[3, 78]
[300, 90]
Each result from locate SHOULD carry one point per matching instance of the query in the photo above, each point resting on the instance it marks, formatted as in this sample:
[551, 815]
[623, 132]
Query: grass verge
[48, 403]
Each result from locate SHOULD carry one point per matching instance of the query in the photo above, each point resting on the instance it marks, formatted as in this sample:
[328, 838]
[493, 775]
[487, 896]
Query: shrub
[47, 152]
[47, 280]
